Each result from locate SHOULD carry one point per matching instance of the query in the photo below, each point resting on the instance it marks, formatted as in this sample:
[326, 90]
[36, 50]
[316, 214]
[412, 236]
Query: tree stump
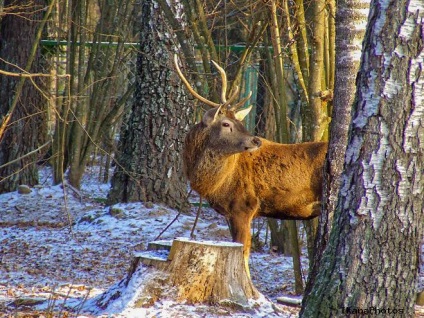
[209, 272]
[186, 272]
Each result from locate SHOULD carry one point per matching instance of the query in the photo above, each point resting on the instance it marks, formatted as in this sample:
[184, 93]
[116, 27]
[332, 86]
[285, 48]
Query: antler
[241, 103]
[190, 89]
[225, 103]
[235, 92]
[224, 87]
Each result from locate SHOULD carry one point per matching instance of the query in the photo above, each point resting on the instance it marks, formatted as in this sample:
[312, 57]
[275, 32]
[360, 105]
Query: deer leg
[240, 227]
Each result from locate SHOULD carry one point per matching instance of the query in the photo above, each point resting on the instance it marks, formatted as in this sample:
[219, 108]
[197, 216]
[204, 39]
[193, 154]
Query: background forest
[86, 67]
[80, 60]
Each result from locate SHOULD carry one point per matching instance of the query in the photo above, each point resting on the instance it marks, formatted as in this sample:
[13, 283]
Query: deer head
[227, 135]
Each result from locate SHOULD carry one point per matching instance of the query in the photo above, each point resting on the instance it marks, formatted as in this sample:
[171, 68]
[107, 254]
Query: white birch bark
[371, 262]
[350, 23]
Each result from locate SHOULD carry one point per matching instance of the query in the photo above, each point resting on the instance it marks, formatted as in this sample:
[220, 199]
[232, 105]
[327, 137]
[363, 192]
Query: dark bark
[24, 131]
[371, 261]
[149, 153]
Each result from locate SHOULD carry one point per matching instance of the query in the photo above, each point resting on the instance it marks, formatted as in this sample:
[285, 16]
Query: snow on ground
[59, 248]
[65, 246]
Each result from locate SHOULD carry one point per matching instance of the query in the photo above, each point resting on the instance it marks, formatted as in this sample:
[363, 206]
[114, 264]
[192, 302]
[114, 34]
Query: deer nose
[257, 142]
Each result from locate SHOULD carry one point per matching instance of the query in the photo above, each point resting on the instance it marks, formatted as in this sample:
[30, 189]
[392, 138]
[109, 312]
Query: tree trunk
[350, 16]
[280, 102]
[279, 236]
[295, 249]
[22, 107]
[101, 61]
[371, 262]
[302, 40]
[210, 272]
[149, 153]
[191, 272]
[314, 116]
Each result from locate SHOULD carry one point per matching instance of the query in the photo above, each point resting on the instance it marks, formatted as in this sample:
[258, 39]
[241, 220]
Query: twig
[75, 190]
[68, 214]
[78, 308]
[65, 299]
[196, 219]
[26, 155]
[30, 75]
[172, 222]
[167, 227]
[30, 60]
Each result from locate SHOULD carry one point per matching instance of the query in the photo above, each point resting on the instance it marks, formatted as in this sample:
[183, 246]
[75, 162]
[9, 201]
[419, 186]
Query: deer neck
[213, 172]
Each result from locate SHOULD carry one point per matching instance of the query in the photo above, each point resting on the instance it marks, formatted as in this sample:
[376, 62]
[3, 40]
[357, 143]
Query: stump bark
[187, 272]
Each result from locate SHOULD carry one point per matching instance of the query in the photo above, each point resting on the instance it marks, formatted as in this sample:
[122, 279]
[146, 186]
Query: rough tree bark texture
[351, 17]
[371, 262]
[149, 161]
[23, 133]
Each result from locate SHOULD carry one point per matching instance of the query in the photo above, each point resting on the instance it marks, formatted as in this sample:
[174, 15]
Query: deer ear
[209, 116]
[241, 114]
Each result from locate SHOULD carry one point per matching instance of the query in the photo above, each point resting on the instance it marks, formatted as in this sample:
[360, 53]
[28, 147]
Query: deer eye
[225, 124]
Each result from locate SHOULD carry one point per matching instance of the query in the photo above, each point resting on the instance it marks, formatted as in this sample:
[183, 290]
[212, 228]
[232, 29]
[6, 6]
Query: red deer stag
[243, 176]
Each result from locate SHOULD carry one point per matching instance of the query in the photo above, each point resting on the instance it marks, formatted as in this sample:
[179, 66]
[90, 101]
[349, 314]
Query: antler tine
[240, 103]
[227, 103]
[190, 89]
[233, 96]
[224, 82]
[217, 114]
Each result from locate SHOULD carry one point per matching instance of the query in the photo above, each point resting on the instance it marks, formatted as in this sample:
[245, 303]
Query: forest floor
[60, 248]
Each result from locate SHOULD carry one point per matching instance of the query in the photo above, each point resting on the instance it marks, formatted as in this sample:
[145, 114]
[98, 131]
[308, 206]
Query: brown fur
[282, 181]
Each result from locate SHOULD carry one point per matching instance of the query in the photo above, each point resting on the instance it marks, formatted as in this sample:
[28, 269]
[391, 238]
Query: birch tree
[371, 262]
[351, 19]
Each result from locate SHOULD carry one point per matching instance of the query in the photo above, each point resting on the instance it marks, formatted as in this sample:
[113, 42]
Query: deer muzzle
[254, 144]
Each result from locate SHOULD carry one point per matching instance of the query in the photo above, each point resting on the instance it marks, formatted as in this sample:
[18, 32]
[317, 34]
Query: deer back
[288, 178]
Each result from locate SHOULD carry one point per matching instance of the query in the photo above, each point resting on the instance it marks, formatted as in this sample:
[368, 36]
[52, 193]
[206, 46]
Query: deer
[243, 176]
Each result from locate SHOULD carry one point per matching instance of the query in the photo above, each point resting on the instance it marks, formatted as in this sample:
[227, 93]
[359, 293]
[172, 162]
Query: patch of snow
[209, 242]
[66, 247]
